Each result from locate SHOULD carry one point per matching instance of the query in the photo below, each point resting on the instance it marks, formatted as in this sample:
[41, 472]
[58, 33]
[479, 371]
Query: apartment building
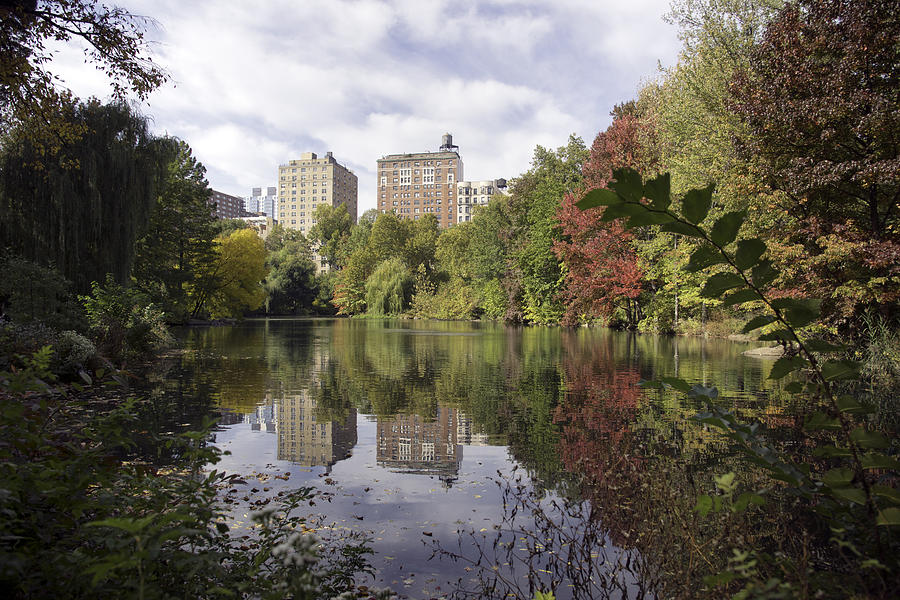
[226, 206]
[308, 182]
[415, 184]
[470, 194]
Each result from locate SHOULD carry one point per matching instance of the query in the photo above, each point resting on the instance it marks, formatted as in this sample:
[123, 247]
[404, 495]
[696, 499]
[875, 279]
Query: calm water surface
[416, 430]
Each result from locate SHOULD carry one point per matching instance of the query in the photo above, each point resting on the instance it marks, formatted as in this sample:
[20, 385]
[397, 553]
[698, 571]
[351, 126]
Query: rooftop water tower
[447, 143]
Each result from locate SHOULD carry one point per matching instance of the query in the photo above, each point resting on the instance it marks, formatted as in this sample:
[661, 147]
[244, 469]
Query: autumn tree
[820, 100]
[113, 41]
[232, 284]
[602, 275]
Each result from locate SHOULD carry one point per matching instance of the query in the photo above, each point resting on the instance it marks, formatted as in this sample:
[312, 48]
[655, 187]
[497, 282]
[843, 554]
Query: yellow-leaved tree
[233, 282]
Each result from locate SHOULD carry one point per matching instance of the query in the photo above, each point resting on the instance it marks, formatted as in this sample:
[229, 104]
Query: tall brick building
[415, 184]
[226, 206]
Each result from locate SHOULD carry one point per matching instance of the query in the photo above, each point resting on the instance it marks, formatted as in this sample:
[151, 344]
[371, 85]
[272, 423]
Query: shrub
[123, 322]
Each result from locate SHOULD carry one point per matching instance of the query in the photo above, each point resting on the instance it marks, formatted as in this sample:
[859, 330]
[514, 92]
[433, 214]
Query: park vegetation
[780, 121]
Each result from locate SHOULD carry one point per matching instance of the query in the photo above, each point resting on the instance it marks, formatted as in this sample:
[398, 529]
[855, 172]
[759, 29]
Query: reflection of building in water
[264, 418]
[412, 444]
[304, 440]
[466, 435]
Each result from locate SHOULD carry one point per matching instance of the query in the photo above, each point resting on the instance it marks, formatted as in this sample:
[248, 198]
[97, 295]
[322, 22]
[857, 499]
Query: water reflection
[412, 421]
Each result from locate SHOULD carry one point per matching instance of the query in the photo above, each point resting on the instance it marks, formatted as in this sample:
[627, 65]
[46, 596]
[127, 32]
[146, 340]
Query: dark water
[428, 435]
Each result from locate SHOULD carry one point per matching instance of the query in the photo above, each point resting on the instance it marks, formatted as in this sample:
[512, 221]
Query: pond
[514, 450]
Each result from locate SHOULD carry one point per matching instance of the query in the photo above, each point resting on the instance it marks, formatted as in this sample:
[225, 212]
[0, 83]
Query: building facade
[226, 206]
[416, 184]
[470, 194]
[307, 183]
[258, 203]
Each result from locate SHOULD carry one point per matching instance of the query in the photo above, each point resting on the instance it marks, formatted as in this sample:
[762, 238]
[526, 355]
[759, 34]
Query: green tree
[535, 198]
[178, 244]
[330, 232]
[291, 284]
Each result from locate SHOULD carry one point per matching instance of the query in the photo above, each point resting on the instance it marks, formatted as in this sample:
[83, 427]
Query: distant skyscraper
[306, 183]
[257, 202]
[413, 185]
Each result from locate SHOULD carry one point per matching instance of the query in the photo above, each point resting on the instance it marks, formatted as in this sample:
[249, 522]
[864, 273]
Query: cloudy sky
[254, 84]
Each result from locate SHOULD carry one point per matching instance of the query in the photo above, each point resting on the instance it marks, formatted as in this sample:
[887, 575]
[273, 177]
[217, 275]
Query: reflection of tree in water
[600, 405]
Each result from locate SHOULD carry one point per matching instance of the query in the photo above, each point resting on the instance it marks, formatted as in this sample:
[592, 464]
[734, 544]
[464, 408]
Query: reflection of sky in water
[398, 509]
[483, 382]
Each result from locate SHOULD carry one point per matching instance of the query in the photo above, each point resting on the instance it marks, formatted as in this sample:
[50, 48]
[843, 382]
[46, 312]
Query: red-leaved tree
[603, 277]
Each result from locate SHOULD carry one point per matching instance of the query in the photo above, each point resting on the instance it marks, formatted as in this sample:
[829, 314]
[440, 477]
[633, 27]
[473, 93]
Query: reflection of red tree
[596, 415]
[597, 440]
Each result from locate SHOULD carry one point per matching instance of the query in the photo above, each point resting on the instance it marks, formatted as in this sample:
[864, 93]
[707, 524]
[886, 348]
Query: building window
[428, 175]
[405, 176]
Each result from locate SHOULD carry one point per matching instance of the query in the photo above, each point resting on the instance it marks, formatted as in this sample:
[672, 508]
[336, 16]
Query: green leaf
[617, 211]
[850, 493]
[779, 335]
[822, 346]
[835, 370]
[785, 365]
[877, 460]
[628, 184]
[725, 482]
[726, 227]
[679, 384]
[794, 387]
[747, 498]
[887, 492]
[798, 312]
[848, 404]
[720, 283]
[757, 322]
[888, 516]
[868, 439]
[696, 204]
[748, 253]
[740, 297]
[703, 257]
[599, 197]
[648, 218]
[704, 505]
[838, 477]
[822, 421]
[763, 274]
[682, 228]
[831, 451]
[658, 190]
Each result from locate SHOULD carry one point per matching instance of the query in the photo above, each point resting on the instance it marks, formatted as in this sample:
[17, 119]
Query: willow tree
[81, 209]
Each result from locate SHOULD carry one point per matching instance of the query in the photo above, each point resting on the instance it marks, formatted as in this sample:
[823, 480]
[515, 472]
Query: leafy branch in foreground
[853, 487]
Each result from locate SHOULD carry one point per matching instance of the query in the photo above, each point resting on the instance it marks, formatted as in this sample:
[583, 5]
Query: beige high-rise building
[413, 185]
[310, 181]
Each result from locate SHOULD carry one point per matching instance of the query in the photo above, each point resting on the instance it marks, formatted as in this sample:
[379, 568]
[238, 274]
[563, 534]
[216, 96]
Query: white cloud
[255, 84]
